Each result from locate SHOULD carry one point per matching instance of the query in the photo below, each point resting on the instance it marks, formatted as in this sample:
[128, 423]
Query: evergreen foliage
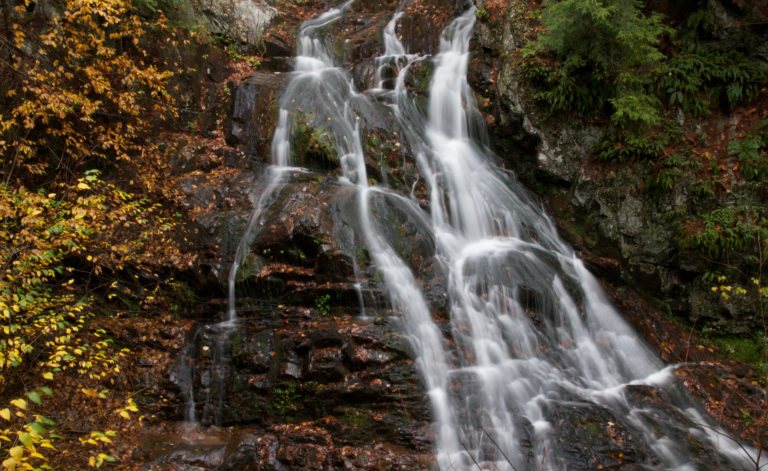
[698, 77]
[604, 56]
[752, 153]
[599, 53]
[725, 230]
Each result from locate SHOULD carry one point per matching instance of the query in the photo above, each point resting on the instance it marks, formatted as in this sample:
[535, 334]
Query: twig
[730, 437]
[544, 455]
[498, 447]
[410, 426]
[688, 342]
[471, 456]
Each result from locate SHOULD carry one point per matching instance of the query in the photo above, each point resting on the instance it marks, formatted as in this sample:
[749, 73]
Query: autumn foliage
[80, 206]
[84, 90]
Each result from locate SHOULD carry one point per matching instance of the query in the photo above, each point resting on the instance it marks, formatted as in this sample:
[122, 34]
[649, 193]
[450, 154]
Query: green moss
[248, 266]
[357, 418]
[748, 350]
[237, 342]
[592, 428]
[312, 144]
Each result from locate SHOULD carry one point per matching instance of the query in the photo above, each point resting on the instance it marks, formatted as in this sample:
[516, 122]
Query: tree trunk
[8, 16]
[43, 9]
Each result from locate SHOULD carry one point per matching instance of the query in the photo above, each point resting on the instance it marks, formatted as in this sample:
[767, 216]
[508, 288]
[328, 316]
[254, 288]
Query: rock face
[241, 20]
[308, 378]
[601, 208]
[253, 115]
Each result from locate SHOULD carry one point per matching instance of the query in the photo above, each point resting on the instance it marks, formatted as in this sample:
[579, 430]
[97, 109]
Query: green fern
[698, 78]
[725, 230]
[752, 153]
[621, 146]
[604, 53]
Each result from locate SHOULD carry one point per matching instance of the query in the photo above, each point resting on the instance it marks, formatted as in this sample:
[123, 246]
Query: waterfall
[530, 333]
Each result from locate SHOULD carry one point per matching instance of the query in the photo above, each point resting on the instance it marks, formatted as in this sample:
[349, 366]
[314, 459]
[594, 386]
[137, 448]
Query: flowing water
[530, 333]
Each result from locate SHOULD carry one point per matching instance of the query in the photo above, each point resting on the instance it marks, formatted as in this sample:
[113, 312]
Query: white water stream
[531, 332]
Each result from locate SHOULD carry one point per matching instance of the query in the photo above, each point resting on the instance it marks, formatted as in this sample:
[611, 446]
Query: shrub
[751, 152]
[605, 53]
[84, 92]
[698, 77]
[80, 93]
[725, 230]
[620, 146]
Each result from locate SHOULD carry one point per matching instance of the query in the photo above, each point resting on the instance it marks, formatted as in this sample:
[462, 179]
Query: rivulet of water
[531, 333]
[311, 61]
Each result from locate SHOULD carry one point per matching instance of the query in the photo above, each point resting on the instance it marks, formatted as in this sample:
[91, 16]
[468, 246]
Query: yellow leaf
[10, 464]
[83, 186]
[20, 403]
[16, 452]
[48, 376]
[124, 414]
[92, 461]
[6, 414]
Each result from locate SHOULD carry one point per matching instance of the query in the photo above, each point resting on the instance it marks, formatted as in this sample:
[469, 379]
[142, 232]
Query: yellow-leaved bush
[86, 90]
[45, 335]
[80, 92]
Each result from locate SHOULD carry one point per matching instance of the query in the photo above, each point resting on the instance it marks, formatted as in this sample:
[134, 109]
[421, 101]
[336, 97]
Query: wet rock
[422, 23]
[253, 116]
[307, 446]
[290, 373]
[252, 348]
[588, 437]
[409, 234]
[254, 452]
[181, 448]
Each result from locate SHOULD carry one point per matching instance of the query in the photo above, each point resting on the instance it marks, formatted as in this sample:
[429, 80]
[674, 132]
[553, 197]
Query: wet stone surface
[307, 378]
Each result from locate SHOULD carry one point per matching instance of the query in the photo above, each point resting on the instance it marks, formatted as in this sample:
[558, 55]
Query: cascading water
[530, 331]
[311, 60]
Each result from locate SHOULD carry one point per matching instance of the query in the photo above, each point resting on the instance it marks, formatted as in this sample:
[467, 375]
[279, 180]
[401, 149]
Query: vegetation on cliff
[597, 55]
[85, 218]
[683, 104]
[90, 220]
[659, 86]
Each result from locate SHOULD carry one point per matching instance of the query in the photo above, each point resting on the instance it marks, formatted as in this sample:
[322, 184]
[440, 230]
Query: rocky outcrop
[308, 378]
[253, 114]
[602, 208]
[240, 20]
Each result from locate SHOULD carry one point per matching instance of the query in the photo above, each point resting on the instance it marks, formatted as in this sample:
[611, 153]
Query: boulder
[241, 20]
